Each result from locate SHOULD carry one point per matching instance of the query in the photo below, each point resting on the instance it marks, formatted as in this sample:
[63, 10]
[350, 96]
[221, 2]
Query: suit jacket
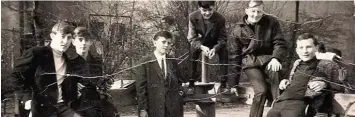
[35, 74]
[159, 96]
[92, 66]
[90, 97]
[213, 37]
[262, 44]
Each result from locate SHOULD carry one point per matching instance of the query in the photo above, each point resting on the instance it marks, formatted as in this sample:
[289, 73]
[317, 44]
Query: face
[306, 49]
[82, 45]
[206, 13]
[162, 45]
[61, 42]
[165, 25]
[254, 13]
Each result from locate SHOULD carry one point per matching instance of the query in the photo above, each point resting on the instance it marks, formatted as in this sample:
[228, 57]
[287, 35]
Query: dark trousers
[59, 110]
[320, 106]
[288, 108]
[234, 73]
[89, 104]
[223, 59]
[265, 86]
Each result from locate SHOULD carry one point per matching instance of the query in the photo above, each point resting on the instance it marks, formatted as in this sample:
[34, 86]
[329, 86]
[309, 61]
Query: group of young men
[57, 80]
[256, 46]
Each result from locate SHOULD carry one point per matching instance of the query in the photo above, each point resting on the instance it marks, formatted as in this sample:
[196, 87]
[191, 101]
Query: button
[41, 105]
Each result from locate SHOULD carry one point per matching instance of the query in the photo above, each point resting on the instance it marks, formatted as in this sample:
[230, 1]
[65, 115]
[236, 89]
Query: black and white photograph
[173, 58]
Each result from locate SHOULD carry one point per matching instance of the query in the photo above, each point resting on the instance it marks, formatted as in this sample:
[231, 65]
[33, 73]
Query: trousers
[265, 84]
[288, 108]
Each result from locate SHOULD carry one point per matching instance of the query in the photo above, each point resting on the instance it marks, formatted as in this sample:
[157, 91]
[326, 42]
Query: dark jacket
[91, 67]
[256, 48]
[326, 71]
[35, 74]
[213, 37]
[158, 96]
[89, 103]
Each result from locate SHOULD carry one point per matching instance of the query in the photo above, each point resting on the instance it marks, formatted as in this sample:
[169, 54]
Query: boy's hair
[82, 32]
[62, 27]
[306, 36]
[168, 20]
[255, 3]
[321, 47]
[205, 4]
[164, 34]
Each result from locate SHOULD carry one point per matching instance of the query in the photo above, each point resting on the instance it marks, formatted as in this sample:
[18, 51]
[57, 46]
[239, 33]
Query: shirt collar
[314, 59]
[159, 56]
[57, 53]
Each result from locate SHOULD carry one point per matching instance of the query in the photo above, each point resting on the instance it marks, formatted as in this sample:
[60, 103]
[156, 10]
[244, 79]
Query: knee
[272, 113]
[261, 91]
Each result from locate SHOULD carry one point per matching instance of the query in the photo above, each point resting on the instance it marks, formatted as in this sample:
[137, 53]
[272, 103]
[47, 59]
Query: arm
[235, 50]
[179, 78]
[336, 77]
[23, 74]
[192, 35]
[329, 74]
[278, 41]
[222, 35]
[141, 87]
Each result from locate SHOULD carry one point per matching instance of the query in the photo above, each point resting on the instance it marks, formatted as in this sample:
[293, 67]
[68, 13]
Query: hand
[211, 53]
[109, 83]
[326, 56]
[182, 93]
[274, 65]
[317, 85]
[105, 83]
[143, 113]
[28, 105]
[284, 83]
[205, 50]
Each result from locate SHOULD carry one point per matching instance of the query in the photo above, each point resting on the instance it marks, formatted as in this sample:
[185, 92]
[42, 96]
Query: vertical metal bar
[204, 68]
[121, 83]
[204, 108]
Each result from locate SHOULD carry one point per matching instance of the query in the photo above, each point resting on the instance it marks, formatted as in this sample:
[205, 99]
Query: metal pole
[204, 68]
[204, 108]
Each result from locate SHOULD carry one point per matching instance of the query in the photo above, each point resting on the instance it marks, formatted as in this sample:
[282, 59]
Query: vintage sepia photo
[169, 58]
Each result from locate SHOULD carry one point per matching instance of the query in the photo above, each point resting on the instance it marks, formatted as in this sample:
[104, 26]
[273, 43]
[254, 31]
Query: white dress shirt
[160, 59]
[60, 69]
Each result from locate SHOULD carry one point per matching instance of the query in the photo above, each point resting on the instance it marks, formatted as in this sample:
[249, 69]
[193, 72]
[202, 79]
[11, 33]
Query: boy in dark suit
[207, 34]
[92, 102]
[158, 88]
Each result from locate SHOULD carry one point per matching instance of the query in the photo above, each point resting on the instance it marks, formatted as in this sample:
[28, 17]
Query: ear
[246, 11]
[52, 35]
[73, 41]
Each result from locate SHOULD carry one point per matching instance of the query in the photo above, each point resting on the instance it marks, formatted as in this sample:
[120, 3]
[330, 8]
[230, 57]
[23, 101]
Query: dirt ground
[222, 110]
